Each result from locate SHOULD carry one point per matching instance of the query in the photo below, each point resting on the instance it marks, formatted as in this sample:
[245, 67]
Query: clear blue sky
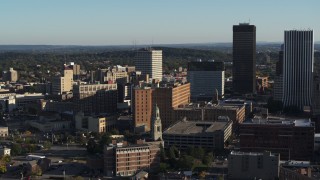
[115, 22]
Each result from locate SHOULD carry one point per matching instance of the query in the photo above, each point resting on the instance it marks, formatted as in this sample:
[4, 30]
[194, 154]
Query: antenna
[249, 20]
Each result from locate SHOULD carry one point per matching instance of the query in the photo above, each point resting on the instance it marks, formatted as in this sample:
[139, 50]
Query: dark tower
[244, 58]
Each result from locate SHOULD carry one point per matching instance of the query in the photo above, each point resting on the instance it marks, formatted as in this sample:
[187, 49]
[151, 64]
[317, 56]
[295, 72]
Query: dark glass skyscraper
[298, 68]
[244, 58]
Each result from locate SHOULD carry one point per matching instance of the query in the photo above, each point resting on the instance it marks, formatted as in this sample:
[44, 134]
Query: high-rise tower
[205, 78]
[298, 68]
[149, 61]
[244, 58]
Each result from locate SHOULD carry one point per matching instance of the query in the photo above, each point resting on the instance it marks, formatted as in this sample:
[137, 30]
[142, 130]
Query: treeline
[51, 62]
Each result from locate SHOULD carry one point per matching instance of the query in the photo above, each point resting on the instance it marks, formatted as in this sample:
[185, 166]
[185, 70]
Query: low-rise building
[48, 126]
[94, 124]
[301, 170]
[253, 165]
[122, 159]
[4, 132]
[211, 112]
[205, 134]
[5, 151]
[293, 139]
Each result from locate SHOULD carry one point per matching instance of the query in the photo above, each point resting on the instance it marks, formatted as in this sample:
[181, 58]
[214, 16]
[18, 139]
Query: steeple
[156, 126]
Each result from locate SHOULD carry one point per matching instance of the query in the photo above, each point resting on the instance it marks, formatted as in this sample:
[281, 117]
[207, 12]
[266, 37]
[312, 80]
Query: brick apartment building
[122, 159]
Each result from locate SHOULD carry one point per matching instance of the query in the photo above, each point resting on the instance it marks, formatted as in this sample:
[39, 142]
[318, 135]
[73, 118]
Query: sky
[124, 22]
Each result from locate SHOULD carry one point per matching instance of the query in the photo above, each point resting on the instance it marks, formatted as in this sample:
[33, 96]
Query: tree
[162, 154]
[207, 159]
[105, 139]
[37, 171]
[47, 145]
[91, 146]
[163, 168]
[186, 162]
[190, 151]
[6, 158]
[202, 175]
[173, 152]
[16, 149]
[114, 132]
[3, 168]
[199, 152]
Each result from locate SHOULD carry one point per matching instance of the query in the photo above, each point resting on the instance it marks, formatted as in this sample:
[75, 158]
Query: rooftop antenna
[249, 20]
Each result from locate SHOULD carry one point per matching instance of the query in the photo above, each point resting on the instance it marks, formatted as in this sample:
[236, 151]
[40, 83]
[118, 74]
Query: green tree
[37, 171]
[3, 168]
[16, 149]
[173, 152]
[92, 146]
[190, 151]
[6, 158]
[199, 152]
[163, 168]
[114, 132]
[47, 145]
[207, 159]
[162, 154]
[186, 162]
[104, 140]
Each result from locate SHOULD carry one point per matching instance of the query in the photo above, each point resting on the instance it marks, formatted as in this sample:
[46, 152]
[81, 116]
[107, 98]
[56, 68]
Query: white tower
[156, 126]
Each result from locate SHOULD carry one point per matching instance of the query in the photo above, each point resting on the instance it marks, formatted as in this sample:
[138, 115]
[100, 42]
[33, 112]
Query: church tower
[156, 126]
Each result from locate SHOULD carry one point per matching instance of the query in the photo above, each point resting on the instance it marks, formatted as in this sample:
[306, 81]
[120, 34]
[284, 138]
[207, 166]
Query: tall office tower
[244, 58]
[298, 68]
[278, 79]
[205, 78]
[149, 61]
[11, 75]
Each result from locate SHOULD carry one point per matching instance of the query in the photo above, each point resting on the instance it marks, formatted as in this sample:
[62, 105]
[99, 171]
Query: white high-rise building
[298, 68]
[149, 61]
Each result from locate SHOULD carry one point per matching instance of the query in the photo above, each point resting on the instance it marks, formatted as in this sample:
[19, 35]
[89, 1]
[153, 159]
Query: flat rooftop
[185, 127]
[193, 106]
[240, 153]
[288, 122]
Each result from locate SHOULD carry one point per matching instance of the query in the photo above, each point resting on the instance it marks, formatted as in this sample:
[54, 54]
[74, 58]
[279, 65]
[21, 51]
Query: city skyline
[166, 22]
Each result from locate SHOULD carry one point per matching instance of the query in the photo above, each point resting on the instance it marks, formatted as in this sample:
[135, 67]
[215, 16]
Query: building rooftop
[252, 153]
[209, 105]
[195, 127]
[289, 122]
[293, 163]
